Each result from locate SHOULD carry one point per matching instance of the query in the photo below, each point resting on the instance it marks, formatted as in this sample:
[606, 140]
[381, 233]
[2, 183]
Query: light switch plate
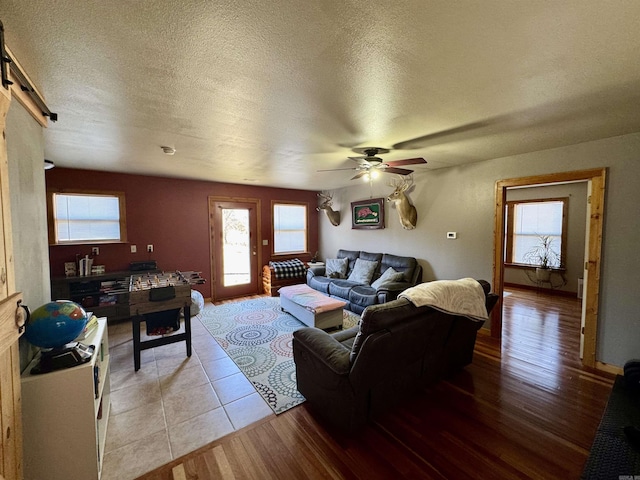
[452, 235]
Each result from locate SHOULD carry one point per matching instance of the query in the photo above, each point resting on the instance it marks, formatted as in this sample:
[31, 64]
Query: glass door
[234, 248]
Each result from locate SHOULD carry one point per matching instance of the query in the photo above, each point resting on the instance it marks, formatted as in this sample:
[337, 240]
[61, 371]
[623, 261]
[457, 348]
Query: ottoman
[311, 307]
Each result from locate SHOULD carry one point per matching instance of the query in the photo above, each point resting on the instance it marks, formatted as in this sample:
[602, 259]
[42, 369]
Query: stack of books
[91, 325]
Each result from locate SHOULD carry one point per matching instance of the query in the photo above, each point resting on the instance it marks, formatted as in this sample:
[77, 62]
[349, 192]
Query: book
[91, 325]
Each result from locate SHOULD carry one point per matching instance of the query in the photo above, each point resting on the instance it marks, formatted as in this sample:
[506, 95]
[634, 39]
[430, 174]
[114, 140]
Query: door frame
[11, 442]
[212, 239]
[594, 249]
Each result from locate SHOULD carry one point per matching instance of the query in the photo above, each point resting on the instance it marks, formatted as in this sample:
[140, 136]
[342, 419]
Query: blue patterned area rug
[258, 337]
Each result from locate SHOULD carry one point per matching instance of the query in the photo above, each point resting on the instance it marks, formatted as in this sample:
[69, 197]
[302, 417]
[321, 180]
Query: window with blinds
[529, 221]
[289, 228]
[87, 218]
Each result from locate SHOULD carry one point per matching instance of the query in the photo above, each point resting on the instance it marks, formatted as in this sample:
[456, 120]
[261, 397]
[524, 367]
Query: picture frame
[367, 214]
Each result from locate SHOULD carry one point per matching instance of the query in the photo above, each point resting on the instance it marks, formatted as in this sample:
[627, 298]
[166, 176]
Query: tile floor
[174, 404]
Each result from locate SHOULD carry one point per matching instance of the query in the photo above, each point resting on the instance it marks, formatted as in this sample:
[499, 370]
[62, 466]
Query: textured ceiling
[269, 92]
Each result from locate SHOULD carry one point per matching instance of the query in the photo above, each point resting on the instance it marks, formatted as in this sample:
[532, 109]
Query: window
[289, 228]
[81, 217]
[529, 221]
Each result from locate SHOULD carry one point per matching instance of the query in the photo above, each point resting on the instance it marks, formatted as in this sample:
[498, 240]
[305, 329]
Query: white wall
[462, 199]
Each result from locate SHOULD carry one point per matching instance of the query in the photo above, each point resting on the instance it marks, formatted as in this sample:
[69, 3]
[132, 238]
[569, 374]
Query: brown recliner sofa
[352, 375]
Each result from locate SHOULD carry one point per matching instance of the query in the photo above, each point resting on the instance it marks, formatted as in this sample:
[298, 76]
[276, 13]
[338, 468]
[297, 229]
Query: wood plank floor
[523, 409]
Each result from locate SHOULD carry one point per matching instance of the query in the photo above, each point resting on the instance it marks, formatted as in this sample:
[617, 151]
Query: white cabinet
[65, 415]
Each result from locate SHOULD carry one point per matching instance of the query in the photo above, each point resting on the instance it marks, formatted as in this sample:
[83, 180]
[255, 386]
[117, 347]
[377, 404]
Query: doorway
[596, 177]
[233, 225]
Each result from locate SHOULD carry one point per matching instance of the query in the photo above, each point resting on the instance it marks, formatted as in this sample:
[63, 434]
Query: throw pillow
[363, 271]
[337, 267]
[390, 275]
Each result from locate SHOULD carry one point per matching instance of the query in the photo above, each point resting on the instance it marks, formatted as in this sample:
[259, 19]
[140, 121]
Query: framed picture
[367, 214]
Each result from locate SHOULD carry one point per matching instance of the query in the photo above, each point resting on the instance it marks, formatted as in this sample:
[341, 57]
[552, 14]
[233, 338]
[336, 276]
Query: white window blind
[533, 220]
[289, 228]
[85, 218]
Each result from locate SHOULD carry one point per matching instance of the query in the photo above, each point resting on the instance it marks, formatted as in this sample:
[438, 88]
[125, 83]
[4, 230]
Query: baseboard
[484, 331]
[605, 367]
[550, 291]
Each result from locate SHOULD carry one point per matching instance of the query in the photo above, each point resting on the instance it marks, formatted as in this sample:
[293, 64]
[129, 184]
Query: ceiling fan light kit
[371, 175]
[370, 166]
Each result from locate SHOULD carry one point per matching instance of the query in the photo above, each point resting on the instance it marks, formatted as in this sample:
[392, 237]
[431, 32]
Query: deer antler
[401, 183]
[407, 182]
[326, 197]
[393, 183]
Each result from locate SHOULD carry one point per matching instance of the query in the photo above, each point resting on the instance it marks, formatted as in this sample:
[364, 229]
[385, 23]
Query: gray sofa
[397, 348]
[360, 295]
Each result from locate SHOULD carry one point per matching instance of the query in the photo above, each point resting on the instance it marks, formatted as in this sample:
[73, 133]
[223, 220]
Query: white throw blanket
[463, 297]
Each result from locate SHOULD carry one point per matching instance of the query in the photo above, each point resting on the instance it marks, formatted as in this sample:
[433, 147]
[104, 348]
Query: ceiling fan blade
[399, 171]
[408, 161]
[363, 161]
[336, 169]
[461, 131]
[359, 174]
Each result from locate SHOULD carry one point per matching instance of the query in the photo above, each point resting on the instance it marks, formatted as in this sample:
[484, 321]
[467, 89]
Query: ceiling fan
[369, 165]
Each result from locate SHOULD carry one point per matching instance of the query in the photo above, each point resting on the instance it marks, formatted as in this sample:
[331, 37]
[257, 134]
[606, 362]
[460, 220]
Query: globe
[55, 324]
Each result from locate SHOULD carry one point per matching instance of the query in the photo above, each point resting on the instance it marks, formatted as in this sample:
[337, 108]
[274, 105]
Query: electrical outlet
[149, 248]
[95, 250]
[134, 249]
[452, 235]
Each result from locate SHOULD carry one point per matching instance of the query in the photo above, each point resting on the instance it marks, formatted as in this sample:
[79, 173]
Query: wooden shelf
[91, 290]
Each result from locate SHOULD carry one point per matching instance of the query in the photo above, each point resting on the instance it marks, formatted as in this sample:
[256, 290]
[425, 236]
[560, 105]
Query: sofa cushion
[362, 295]
[346, 337]
[378, 317]
[337, 267]
[341, 288]
[372, 257]
[390, 275]
[406, 265]
[352, 255]
[363, 271]
[320, 284]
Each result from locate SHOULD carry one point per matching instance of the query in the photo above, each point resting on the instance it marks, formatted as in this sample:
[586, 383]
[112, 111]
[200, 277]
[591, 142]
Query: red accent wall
[173, 215]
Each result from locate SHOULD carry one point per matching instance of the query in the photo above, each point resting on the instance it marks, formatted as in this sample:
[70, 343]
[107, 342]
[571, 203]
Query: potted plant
[544, 256]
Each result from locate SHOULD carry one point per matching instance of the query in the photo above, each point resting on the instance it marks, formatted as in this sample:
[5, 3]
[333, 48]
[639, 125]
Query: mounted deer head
[332, 215]
[407, 212]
